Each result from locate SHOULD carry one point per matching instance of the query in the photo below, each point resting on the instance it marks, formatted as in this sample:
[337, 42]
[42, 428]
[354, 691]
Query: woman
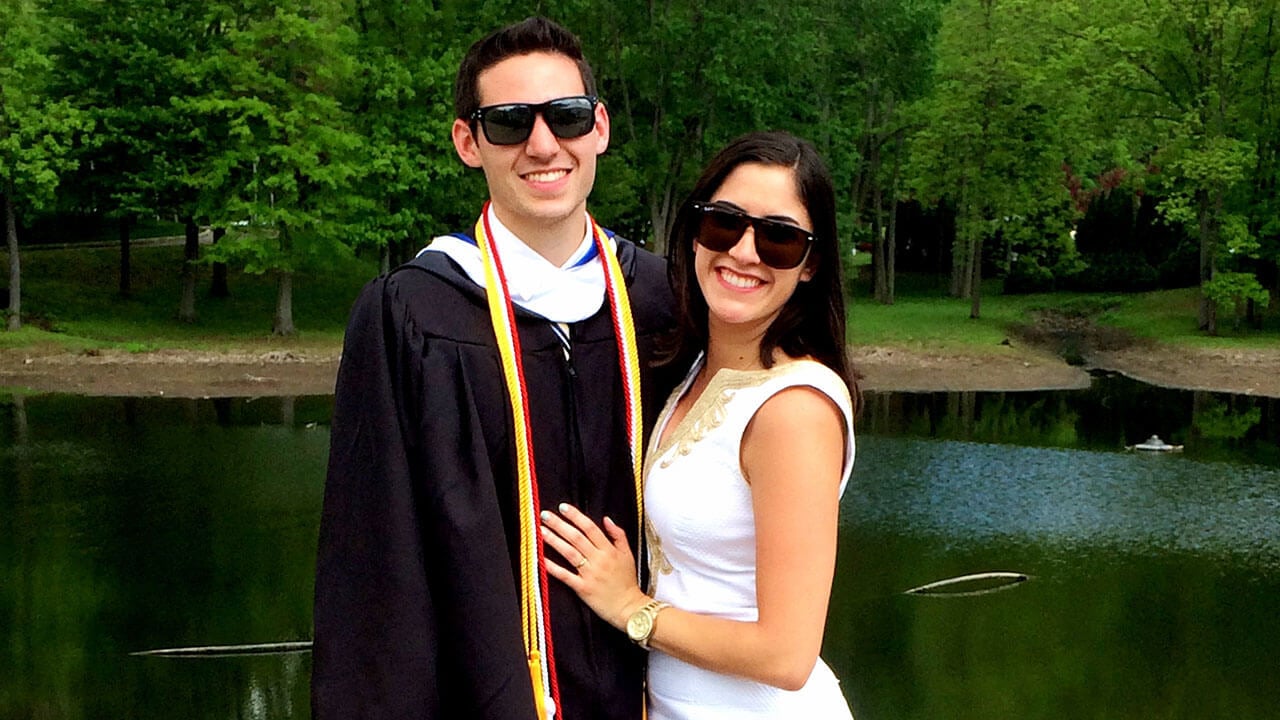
[748, 460]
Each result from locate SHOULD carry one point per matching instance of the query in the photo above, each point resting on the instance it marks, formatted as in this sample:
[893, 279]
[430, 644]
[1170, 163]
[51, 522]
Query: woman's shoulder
[760, 385]
[806, 401]
[807, 372]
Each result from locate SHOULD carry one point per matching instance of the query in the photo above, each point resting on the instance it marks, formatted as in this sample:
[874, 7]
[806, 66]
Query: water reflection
[1115, 413]
[150, 523]
[132, 524]
[1156, 589]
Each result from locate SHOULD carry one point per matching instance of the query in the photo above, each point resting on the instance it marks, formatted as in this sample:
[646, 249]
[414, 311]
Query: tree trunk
[1208, 309]
[890, 253]
[879, 270]
[660, 216]
[975, 284]
[959, 264]
[1135, 210]
[863, 173]
[15, 262]
[1275, 285]
[968, 243]
[283, 323]
[944, 250]
[663, 211]
[891, 244]
[881, 289]
[960, 271]
[190, 253]
[218, 285]
[123, 227]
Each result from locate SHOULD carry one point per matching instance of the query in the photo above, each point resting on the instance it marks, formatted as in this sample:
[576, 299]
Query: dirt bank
[170, 373]
[173, 373]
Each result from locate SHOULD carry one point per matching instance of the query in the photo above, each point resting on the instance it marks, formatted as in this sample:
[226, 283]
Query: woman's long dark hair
[812, 322]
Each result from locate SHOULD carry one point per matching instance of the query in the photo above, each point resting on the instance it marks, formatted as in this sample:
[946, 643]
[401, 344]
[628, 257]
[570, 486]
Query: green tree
[1264, 190]
[876, 58]
[114, 64]
[681, 79]
[991, 139]
[186, 36]
[415, 185]
[287, 171]
[1193, 82]
[36, 131]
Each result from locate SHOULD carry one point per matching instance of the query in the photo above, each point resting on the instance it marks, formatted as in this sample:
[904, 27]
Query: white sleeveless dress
[702, 542]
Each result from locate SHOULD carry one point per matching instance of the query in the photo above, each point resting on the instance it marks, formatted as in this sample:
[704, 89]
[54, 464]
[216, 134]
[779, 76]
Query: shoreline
[194, 374]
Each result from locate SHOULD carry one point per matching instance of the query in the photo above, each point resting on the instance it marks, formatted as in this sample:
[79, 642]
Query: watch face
[639, 624]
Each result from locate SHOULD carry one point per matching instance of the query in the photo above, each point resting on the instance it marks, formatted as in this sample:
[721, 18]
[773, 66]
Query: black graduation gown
[417, 580]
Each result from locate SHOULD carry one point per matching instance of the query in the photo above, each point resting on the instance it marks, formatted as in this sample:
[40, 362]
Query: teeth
[740, 281]
[548, 176]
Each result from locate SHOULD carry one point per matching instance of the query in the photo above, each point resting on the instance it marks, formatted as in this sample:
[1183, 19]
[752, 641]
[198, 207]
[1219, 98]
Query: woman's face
[743, 293]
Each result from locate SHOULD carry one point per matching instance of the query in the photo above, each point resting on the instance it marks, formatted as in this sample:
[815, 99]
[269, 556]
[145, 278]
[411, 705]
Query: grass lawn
[924, 316]
[70, 299]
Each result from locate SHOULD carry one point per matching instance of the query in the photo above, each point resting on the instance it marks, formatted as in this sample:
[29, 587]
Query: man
[458, 414]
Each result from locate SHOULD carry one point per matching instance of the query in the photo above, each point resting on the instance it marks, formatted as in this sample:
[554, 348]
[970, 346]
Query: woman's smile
[739, 288]
[738, 280]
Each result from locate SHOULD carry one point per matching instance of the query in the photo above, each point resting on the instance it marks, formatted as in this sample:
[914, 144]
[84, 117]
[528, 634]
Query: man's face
[539, 185]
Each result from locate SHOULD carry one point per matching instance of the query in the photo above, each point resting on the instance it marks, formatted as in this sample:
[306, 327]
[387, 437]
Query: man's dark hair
[535, 34]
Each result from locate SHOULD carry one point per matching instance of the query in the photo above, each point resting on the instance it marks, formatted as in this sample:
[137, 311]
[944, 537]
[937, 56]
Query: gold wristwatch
[640, 624]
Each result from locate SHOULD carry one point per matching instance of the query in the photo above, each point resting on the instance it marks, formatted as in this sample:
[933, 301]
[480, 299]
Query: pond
[1153, 590]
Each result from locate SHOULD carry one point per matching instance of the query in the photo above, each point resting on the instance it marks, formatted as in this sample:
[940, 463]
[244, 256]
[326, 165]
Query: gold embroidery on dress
[658, 562]
[709, 419]
[708, 411]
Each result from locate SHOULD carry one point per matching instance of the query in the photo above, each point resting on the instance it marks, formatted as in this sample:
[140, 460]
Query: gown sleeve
[416, 612]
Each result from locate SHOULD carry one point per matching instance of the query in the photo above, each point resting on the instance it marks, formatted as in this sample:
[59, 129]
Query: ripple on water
[1064, 500]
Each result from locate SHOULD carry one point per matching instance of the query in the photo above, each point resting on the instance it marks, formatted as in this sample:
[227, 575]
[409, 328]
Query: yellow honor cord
[625, 327]
[530, 593]
[534, 618]
[629, 357]
[539, 690]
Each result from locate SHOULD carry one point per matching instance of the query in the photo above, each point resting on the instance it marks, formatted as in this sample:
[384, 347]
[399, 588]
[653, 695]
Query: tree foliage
[37, 130]
[1191, 84]
[991, 139]
[283, 179]
[305, 129]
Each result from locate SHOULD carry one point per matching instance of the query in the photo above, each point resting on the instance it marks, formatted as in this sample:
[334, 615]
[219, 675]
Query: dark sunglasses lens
[720, 230]
[570, 117]
[507, 124]
[780, 245]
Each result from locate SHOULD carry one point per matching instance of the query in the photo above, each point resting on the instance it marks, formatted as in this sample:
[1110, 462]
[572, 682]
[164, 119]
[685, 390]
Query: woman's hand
[604, 573]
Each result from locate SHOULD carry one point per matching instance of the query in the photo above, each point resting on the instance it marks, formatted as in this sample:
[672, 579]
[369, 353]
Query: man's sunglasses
[779, 245]
[511, 123]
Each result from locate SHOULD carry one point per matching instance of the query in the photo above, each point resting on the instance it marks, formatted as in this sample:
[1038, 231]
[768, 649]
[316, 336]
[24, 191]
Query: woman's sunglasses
[779, 245]
[511, 123]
